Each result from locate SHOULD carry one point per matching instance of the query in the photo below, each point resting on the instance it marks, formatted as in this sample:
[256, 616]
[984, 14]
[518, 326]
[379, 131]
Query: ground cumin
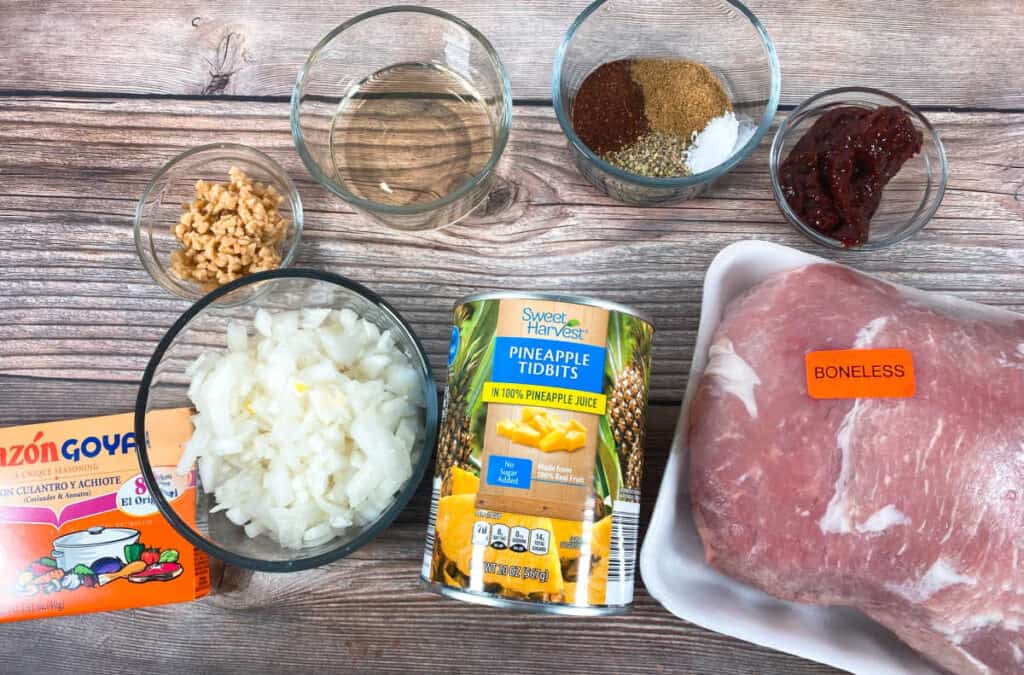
[680, 96]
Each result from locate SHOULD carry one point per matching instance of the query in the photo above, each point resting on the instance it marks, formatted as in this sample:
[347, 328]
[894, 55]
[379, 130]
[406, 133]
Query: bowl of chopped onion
[314, 416]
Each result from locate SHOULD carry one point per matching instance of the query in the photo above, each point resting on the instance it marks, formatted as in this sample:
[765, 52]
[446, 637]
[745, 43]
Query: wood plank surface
[72, 171]
[95, 96]
[935, 52]
[364, 614]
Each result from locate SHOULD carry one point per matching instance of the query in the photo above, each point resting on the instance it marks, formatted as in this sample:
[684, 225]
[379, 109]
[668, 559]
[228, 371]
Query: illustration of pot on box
[96, 557]
[95, 545]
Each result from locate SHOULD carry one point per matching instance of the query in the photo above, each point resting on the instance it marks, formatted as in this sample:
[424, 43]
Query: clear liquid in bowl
[410, 134]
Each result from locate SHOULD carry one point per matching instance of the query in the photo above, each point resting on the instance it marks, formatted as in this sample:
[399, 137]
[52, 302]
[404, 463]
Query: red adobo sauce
[834, 175]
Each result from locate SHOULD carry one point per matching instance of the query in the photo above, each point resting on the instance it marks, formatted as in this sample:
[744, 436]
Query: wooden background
[95, 96]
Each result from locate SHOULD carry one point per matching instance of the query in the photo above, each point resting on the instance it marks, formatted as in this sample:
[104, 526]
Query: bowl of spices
[857, 168]
[214, 214]
[659, 99]
[403, 112]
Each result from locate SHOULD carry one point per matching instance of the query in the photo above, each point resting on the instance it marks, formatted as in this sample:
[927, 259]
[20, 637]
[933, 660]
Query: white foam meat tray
[672, 561]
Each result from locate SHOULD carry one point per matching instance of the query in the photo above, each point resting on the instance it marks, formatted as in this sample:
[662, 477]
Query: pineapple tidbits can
[536, 495]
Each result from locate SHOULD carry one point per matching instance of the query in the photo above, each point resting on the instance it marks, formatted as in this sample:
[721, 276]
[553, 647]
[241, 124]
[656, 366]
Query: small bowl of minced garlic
[214, 214]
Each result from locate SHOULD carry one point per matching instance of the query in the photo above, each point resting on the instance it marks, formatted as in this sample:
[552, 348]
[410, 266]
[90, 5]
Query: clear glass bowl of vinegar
[403, 112]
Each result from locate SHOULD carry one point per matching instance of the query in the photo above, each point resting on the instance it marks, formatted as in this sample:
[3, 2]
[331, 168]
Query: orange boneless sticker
[860, 373]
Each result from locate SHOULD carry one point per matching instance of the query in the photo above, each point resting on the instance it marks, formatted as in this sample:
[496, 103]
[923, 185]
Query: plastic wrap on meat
[912, 509]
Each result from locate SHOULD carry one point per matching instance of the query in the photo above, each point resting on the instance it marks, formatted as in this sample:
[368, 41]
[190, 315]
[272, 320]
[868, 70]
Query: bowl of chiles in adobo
[857, 168]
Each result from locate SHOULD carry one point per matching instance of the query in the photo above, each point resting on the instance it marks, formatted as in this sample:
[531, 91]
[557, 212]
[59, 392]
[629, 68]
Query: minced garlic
[229, 230]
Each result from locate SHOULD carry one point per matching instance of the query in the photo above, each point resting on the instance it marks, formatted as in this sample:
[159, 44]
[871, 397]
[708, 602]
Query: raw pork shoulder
[911, 510]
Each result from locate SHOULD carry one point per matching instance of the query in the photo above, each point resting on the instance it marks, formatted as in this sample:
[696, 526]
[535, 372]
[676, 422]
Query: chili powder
[608, 110]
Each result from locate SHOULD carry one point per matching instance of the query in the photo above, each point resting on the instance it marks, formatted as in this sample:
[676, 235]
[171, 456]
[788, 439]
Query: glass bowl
[403, 112]
[722, 34]
[203, 328]
[174, 185]
[909, 200]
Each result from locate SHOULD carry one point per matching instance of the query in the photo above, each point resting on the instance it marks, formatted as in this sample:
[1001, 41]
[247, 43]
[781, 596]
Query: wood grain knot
[226, 61]
[502, 196]
[227, 579]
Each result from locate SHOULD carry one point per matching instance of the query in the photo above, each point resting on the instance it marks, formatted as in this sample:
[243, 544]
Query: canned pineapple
[536, 492]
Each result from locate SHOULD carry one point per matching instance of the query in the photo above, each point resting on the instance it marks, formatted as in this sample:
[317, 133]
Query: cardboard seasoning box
[78, 530]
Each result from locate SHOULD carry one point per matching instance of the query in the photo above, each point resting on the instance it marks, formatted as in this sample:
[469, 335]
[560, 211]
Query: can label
[536, 491]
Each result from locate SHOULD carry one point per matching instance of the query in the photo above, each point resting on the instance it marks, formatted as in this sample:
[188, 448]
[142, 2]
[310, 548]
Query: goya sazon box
[78, 529]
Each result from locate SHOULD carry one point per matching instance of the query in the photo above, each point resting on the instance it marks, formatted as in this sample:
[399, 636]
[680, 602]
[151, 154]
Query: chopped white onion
[305, 428]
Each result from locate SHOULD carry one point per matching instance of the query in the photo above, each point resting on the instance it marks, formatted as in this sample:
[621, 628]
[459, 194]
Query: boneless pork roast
[911, 509]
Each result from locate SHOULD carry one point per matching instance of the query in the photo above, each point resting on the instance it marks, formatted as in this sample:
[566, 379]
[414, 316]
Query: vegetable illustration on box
[65, 570]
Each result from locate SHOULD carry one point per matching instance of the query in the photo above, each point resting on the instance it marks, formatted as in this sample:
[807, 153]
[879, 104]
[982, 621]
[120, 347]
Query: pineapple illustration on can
[536, 492]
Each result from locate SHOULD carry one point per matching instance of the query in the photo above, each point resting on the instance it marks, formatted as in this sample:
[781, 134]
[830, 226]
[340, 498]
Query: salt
[714, 144]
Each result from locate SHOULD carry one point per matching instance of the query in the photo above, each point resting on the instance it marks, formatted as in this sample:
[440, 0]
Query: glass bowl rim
[374, 529]
[559, 104]
[504, 124]
[811, 105]
[152, 265]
